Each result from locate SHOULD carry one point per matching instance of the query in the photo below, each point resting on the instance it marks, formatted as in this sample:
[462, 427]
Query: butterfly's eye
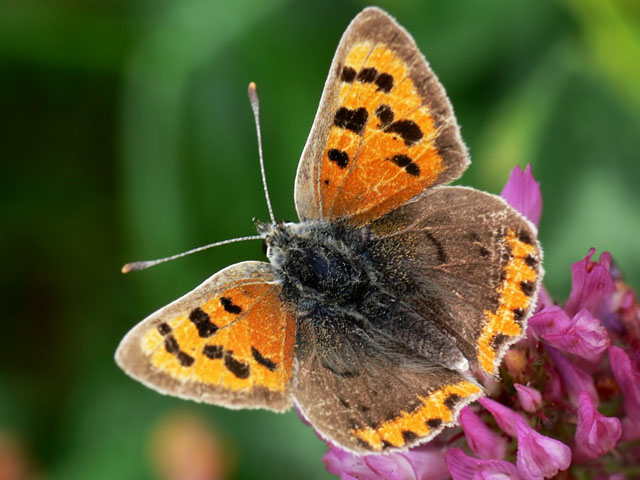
[264, 246]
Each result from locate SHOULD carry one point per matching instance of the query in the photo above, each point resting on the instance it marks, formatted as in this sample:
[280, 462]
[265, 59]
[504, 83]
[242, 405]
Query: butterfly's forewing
[384, 130]
[229, 342]
[465, 261]
[369, 399]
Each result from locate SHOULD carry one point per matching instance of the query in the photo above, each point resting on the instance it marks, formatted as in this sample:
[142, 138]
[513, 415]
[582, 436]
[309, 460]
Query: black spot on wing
[452, 400]
[518, 314]
[203, 323]
[409, 436]
[531, 261]
[384, 82]
[524, 237]
[484, 252]
[213, 351]
[407, 129]
[239, 369]
[164, 329]
[228, 305]
[353, 120]
[403, 161]
[364, 444]
[348, 74]
[385, 114]
[265, 362]
[367, 75]
[527, 288]
[185, 359]
[498, 340]
[412, 169]
[434, 423]
[338, 157]
[171, 345]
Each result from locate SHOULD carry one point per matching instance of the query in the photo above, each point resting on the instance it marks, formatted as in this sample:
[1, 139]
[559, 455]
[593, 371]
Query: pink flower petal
[628, 379]
[504, 416]
[538, 456]
[553, 389]
[530, 399]
[347, 465]
[549, 320]
[428, 461]
[591, 282]
[522, 192]
[595, 433]
[584, 337]
[424, 461]
[484, 442]
[463, 467]
[574, 379]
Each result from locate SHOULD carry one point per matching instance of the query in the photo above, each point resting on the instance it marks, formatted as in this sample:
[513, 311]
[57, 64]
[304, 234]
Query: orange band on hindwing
[515, 295]
[436, 410]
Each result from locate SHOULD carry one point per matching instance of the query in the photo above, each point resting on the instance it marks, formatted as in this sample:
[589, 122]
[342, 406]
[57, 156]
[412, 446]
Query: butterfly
[374, 309]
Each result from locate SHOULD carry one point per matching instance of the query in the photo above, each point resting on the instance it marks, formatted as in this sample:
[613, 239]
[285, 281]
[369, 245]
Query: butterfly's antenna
[255, 106]
[135, 266]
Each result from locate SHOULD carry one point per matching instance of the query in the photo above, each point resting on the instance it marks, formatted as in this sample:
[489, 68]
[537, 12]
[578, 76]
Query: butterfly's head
[264, 228]
[275, 238]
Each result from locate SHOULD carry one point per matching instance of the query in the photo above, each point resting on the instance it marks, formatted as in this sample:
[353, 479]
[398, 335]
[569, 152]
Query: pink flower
[463, 467]
[574, 379]
[539, 456]
[591, 282]
[582, 336]
[424, 461]
[595, 434]
[548, 385]
[549, 320]
[484, 442]
[529, 398]
[628, 379]
[504, 416]
[522, 192]
[553, 389]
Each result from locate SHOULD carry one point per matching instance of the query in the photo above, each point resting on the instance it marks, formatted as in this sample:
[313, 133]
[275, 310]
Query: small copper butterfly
[373, 309]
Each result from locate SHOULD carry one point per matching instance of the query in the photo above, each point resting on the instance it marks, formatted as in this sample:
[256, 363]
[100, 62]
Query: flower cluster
[569, 395]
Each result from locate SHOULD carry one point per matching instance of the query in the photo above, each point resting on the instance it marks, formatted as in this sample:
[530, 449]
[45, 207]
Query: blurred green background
[126, 134]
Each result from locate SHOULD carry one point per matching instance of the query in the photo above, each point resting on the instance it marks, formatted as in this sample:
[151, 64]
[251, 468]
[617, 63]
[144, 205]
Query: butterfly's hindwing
[371, 399]
[467, 262]
[228, 342]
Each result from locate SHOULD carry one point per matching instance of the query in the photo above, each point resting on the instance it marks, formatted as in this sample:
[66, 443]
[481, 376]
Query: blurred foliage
[126, 134]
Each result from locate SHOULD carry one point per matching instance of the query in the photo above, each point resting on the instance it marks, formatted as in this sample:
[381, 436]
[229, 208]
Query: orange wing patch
[237, 340]
[437, 410]
[515, 296]
[381, 149]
